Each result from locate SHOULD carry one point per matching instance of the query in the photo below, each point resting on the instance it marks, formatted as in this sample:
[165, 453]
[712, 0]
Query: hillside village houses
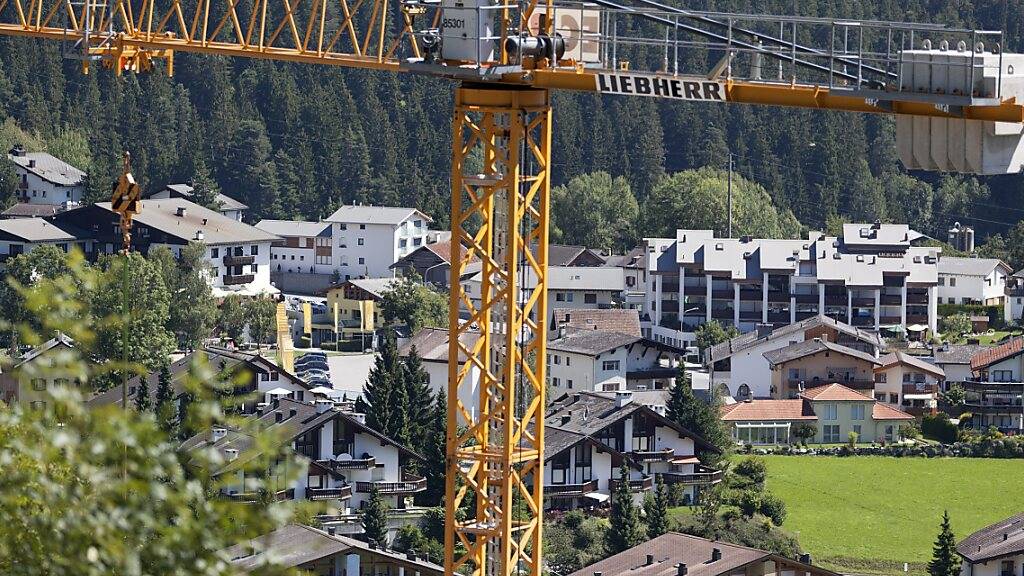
[226, 205]
[972, 280]
[995, 550]
[994, 394]
[872, 277]
[1013, 312]
[22, 235]
[44, 179]
[29, 379]
[597, 360]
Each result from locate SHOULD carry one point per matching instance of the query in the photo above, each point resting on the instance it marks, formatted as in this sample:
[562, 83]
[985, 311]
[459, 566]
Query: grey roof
[1004, 538]
[1019, 273]
[226, 202]
[58, 340]
[29, 210]
[295, 228]
[375, 215]
[957, 353]
[375, 286]
[743, 341]
[591, 342]
[863, 234]
[432, 344]
[34, 230]
[632, 259]
[49, 168]
[671, 549]
[809, 347]
[566, 255]
[970, 266]
[161, 214]
[295, 545]
[899, 357]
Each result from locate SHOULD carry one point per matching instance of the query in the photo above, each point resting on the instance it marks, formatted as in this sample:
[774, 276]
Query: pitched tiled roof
[564, 255]
[997, 540]
[970, 266]
[990, 356]
[591, 342]
[904, 358]
[432, 344]
[29, 210]
[957, 353]
[295, 228]
[749, 339]
[49, 168]
[811, 347]
[835, 392]
[883, 411]
[767, 410]
[625, 321]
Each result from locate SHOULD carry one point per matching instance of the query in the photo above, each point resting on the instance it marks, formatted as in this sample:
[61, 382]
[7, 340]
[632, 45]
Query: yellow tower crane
[957, 101]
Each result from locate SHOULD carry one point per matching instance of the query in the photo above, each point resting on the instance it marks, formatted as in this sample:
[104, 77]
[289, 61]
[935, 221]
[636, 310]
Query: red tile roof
[834, 392]
[885, 412]
[988, 357]
[796, 409]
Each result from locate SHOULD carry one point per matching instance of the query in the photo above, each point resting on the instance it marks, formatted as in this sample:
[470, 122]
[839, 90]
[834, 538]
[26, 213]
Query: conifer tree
[164, 408]
[378, 392]
[375, 519]
[626, 530]
[701, 418]
[945, 561]
[142, 395]
[656, 509]
[399, 422]
[434, 451]
[419, 398]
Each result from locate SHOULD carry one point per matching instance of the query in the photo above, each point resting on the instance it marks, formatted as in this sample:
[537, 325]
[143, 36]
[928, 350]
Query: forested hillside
[296, 140]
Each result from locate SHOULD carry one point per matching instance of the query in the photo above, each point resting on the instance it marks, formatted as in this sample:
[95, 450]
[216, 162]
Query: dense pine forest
[294, 141]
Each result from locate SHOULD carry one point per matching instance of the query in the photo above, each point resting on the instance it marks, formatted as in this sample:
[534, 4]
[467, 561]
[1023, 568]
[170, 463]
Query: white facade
[44, 179]
[1012, 565]
[367, 240]
[223, 269]
[639, 366]
[972, 280]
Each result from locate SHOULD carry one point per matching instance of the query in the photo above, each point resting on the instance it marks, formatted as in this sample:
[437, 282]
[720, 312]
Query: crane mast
[958, 106]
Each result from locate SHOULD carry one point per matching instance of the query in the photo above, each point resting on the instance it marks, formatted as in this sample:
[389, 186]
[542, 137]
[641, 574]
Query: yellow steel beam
[500, 193]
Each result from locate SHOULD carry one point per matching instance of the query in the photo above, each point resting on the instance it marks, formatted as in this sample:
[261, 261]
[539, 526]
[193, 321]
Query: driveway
[349, 372]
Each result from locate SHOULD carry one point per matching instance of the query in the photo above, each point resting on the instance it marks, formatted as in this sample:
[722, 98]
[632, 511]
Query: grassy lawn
[987, 338]
[870, 514]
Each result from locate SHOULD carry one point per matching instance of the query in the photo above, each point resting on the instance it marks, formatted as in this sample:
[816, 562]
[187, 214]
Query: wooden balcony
[410, 484]
[353, 464]
[570, 490]
[341, 493]
[641, 485]
[914, 388]
[238, 279]
[654, 455]
[280, 495]
[230, 260]
[703, 476]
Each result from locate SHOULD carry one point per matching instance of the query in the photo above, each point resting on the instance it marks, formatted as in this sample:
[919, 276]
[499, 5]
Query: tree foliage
[410, 303]
[701, 418]
[945, 560]
[626, 530]
[375, 519]
[711, 333]
[610, 217]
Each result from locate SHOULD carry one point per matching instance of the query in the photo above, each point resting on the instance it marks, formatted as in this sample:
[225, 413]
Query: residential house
[430, 263]
[1013, 312]
[972, 280]
[22, 235]
[353, 311]
[588, 436]
[251, 374]
[226, 205]
[238, 254]
[834, 410]
[343, 461]
[432, 346]
[815, 362]
[44, 179]
[303, 259]
[908, 382]
[595, 360]
[29, 210]
[995, 394]
[739, 364]
[955, 361]
[634, 276]
[29, 379]
[325, 553]
[995, 550]
[675, 554]
[622, 320]
[563, 255]
[871, 277]
[369, 239]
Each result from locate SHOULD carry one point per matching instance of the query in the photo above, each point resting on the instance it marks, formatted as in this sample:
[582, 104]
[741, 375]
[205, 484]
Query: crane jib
[678, 88]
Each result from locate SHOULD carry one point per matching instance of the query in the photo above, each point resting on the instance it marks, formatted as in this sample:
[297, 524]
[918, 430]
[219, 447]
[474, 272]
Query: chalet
[995, 550]
[596, 360]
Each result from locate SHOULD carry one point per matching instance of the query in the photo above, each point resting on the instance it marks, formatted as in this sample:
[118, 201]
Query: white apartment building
[44, 179]
[238, 254]
[304, 248]
[588, 437]
[596, 360]
[870, 277]
[367, 240]
[972, 280]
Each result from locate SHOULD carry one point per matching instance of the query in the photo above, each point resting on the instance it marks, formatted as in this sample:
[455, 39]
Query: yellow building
[353, 311]
[28, 379]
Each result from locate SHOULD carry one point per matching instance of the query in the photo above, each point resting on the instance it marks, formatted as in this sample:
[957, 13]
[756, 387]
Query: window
[889, 430]
[794, 373]
[344, 226]
[942, 280]
[39, 384]
[362, 226]
[894, 398]
[560, 468]
[643, 433]
[558, 360]
[417, 223]
[38, 405]
[880, 377]
[568, 383]
[880, 397]
[568, 361]
[584, 463]
[856, 430]
[362, 260]
[359, 241]
[60, 382]
[556, 381]
[829, 412]
[344, 438]
[830, 433]
[254, 250]
[559, 297]
[417, 241]
[610, 365]
[906, 377]
[402, 243]
[1002, 375]
[857, 412]
[590, 298]
[952, 282]
[568, 296]
[308, 444]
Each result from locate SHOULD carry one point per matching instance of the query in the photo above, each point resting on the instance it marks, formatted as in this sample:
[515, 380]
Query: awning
[918, 397]
[279, 392]
[598, 496]
[917, 327]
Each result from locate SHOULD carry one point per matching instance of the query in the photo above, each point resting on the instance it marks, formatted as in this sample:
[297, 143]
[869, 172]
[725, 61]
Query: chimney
[323, 406]
[31, 163]
[566, 418]
[1005, 536]
[200, 235]
[716, 554]
[805, 558]
[681, 570]
[411, 555]
[216, 433]
[561, 330]
[650, 559]
[231, 453]
[332, 530]
[623, 397]
[181, 212]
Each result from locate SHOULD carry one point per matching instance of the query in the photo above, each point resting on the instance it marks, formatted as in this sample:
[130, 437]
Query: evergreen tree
[419, 399]
[435, 451]
[164, 408]
[656, 509]
[142, 395]
[400, 423]
[626, 530]
[375, 519]
[378, 396]
[205, 188]
[945, 561]
[701, 418]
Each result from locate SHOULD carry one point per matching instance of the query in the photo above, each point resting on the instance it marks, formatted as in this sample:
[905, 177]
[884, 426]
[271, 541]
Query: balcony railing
[654, 455]
[917, 318]
[917, 298]
[778, 296]
[891, 300]
[922, 388]
[230, 260]
[641, 485]
[853, 384]
[353, 464]
[700, 477]
[806, 298]
[235, 280]
[329, 493]
[280, 495]
[408, 485]
[570, 490]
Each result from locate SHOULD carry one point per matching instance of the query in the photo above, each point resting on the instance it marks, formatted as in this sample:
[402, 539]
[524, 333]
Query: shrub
[774, 508]
[805, 432]
[938, 427]
[956, 325]
[750, 503]
[851, 439]
[910, 431]
[751, 472]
